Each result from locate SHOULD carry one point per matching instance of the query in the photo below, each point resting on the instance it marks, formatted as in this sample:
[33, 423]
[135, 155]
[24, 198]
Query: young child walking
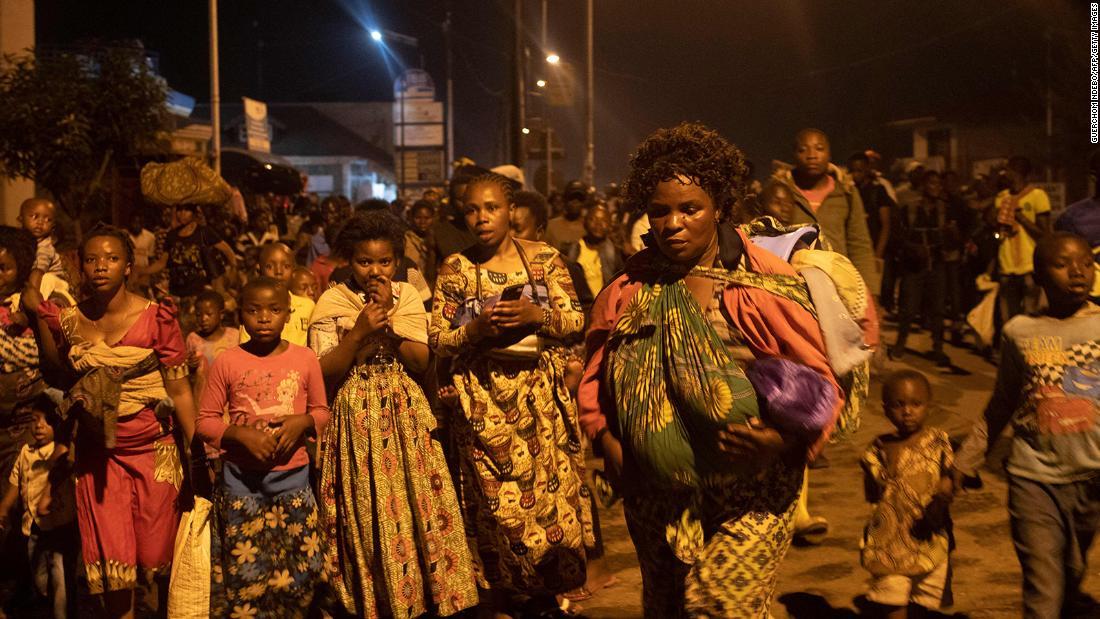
[908, 478]
[1048, 389]
[52, 539]
[211, 337]
[266, 544]
[399, 546]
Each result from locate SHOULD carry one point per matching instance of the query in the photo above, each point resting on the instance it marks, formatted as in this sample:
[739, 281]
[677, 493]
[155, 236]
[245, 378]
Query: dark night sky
[757, 71]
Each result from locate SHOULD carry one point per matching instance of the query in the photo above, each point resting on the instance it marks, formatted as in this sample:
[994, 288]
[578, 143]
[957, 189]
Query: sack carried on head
[185, 181]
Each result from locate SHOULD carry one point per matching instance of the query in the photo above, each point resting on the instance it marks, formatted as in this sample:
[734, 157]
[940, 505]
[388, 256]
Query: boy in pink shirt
[267, 514]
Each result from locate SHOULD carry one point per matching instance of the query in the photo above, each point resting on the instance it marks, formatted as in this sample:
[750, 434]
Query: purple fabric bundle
[795, 398]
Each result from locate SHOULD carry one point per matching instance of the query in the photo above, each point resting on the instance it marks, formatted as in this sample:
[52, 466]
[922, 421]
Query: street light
[541, 83]
[376, 35]
[553, 59]
[525, 130]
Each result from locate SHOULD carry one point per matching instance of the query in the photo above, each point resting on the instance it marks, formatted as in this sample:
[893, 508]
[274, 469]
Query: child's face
[40, 429]
[373, 260]
[209, 317]
[303, 284]
[422, 220]
[1069, 272]
[906, 405]
[37, 218]
[264, 311]
[780, 204]
[277, 264]
[9, 273]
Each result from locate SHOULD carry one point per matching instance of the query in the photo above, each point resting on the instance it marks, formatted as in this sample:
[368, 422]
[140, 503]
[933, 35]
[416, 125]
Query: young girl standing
[398, 546]
[266, 546]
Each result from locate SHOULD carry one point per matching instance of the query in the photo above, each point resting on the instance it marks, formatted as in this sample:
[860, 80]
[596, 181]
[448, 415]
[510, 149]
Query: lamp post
[380, 36]
[589, 103]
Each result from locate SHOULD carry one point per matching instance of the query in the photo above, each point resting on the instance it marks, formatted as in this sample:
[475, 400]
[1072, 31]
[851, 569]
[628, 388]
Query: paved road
[826, 581]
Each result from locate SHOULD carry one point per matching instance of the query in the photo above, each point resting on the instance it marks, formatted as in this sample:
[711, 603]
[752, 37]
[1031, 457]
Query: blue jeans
[53, 566]
[1052, 529]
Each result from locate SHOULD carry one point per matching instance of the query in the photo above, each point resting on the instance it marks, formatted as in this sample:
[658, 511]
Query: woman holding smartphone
[501, 310]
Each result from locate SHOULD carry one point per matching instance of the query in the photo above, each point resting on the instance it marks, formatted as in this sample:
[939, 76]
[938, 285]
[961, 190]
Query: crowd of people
[384, 409]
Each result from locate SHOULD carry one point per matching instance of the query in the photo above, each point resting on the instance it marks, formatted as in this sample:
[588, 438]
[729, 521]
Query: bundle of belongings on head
[184, 181]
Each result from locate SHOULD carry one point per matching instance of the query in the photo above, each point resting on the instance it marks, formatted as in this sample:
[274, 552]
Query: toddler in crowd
[266, 547]
[52, 539]
[211, 337]
[303, 283]
[1048, 388]
[908, 478]
[277, 262]
[36, 215]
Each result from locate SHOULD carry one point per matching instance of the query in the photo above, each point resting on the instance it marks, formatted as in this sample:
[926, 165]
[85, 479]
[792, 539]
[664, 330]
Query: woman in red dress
[117, 355]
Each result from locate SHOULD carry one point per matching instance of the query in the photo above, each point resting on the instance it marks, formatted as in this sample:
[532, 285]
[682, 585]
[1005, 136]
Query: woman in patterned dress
[121, 355]
[397, 547]
[516, 434]
[709, 480]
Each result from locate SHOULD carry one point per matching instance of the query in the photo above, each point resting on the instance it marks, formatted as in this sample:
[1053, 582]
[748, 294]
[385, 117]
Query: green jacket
[842, 221]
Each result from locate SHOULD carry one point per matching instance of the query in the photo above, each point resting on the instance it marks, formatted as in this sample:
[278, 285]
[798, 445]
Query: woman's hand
[517, 314]
[612, 460]
[752, 442]
[371, 320]
[289, 432]
[380, 291]
[448, 396]
[483, 326]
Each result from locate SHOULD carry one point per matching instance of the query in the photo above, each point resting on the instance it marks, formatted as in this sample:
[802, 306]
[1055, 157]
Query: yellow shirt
[590, 262]
[29, 475]
[1015, 253]
[296, 329]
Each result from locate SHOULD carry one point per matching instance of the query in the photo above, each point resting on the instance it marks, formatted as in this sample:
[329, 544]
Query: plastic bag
[981, 317]
[189, 587]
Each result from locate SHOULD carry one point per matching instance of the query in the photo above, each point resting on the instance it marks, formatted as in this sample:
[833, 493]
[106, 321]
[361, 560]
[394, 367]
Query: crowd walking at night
[307, 407]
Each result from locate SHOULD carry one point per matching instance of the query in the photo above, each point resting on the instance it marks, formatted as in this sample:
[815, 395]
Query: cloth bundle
[185, 181]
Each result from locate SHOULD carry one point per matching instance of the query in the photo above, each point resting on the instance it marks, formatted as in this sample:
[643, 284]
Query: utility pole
[546, 105]
[215, 91]
[450, 92]
[589, 103]
[519, 112]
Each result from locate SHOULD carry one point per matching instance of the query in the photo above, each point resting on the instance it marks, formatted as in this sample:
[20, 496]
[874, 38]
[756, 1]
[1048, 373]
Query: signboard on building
[421, 167]
[257, 129]
[417, 136]
[414, 84]
[418, 111]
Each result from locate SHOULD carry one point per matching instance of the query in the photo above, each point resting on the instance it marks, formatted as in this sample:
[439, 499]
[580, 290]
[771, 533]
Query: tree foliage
[67, 118]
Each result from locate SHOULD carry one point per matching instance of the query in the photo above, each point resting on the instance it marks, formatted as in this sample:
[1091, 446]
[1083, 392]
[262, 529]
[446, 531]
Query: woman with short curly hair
[709, 477]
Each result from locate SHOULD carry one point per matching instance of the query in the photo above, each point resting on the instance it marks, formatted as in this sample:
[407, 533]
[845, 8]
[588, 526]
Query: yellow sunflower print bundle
[676, 387]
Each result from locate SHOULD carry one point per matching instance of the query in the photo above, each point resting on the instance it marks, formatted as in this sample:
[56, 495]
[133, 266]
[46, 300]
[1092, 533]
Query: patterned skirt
[521, 465]
[747, 530]
[397, 546]
[266, 550]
